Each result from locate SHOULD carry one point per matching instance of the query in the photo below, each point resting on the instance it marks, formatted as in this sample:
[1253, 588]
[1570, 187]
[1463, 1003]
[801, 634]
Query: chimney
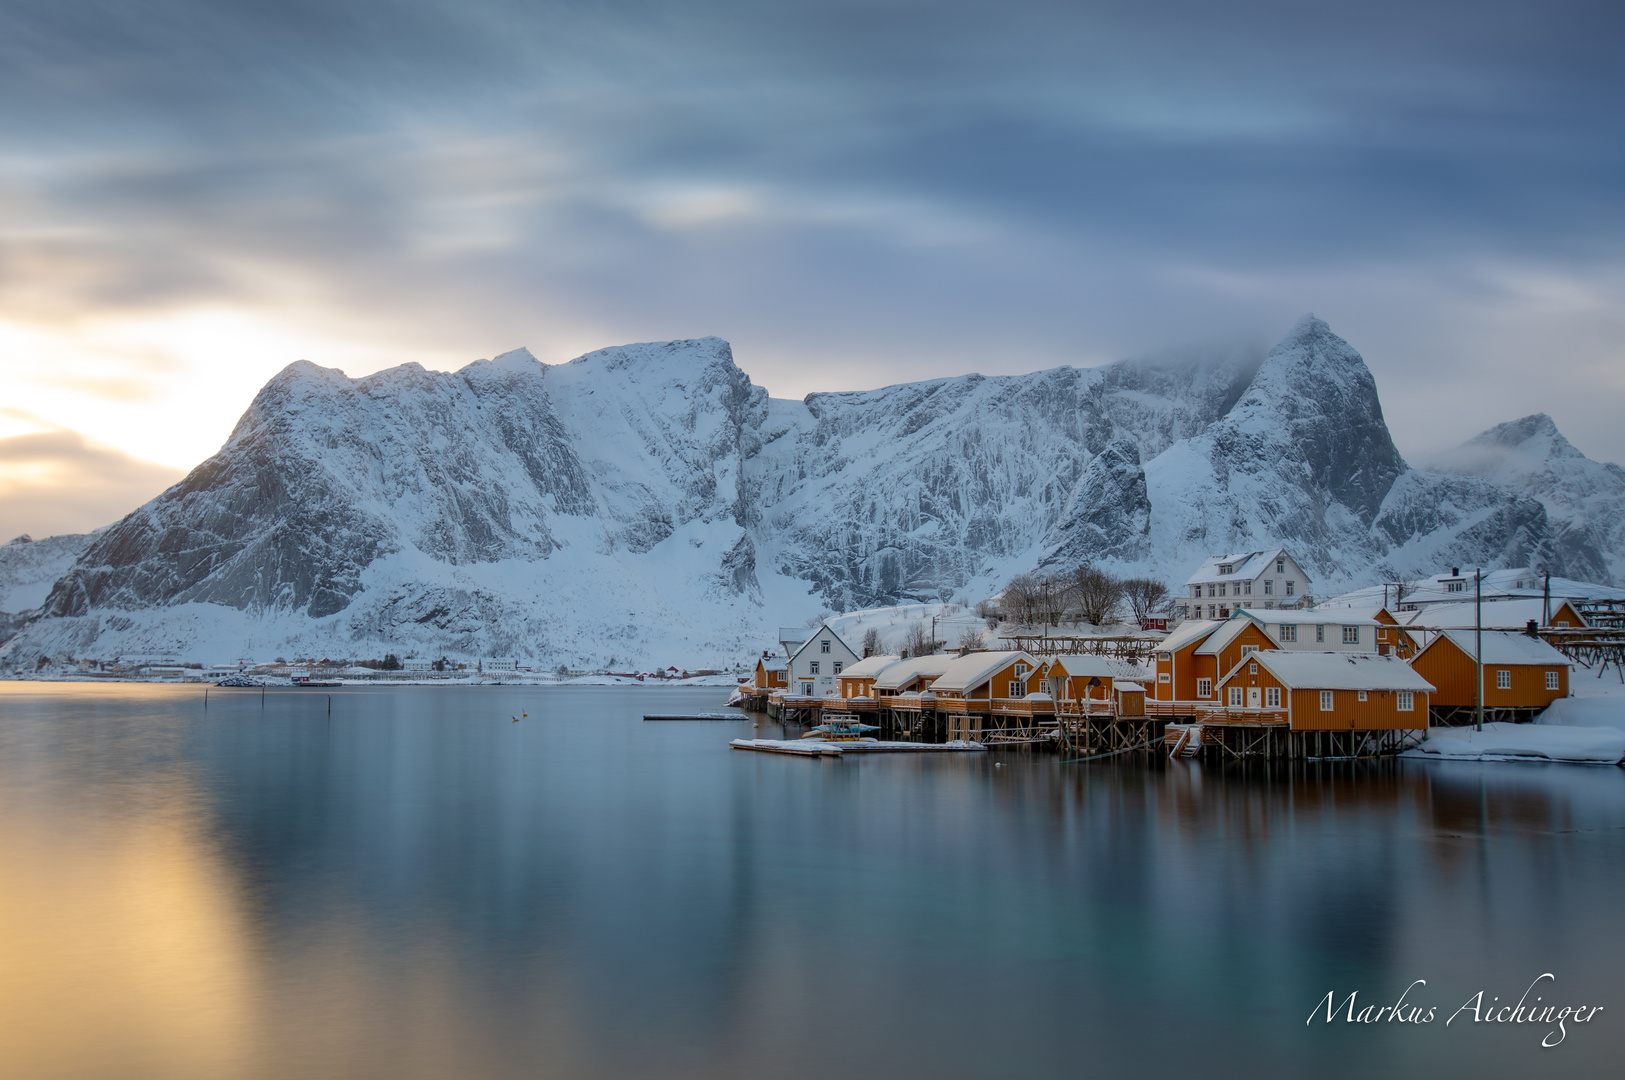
[1455, 571]
[1532, 628]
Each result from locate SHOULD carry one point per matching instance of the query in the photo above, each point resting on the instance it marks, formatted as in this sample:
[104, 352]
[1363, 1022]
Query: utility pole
[1478, 633]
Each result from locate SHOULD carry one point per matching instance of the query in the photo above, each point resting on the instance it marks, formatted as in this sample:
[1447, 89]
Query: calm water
[418, 887]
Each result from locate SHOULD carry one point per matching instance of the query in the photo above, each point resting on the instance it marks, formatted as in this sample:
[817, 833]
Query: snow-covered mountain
[649, 503]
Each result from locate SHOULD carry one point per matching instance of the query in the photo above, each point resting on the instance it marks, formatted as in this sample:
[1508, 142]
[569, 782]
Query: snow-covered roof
[1317, 616]
[774, 663]
[1340, 671]
[906, 671]
[793, 635]
[1507, 614]
[1505, 647]
[869, 667]
[1244, 566]
[1094, 667]
[1130, 687]
[821, 631]
[1188, 631]
[970, 671]
[1516, 583]
[1227, 632]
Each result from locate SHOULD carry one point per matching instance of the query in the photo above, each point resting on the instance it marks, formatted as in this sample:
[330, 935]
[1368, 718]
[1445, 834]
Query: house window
[1164, 678]
[1325, 701]
[1016, 688]
[1235, 697]
[1196, 592]
[1248, 650]
[1362, 695]
[1406, 700]
[1252, 669]
[838, 666]
[812, 667]
[1247, 587]
[1224, 569]
[1290, 586]
[1320, 633]
[1455, 586]
[1289, 632]
[1551, 680]
[806, 689]
[1272, 697]
[1351, 635]
[1210, 590]
[1280, 566]
[1503, 679]
[1204, 688]
[1021, 669]
[1269, 588]
[1212, 611]
[1382, 635]
[1562, 624]
[823, 646]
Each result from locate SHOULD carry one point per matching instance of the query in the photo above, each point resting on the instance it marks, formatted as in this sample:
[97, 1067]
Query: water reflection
[417, 886]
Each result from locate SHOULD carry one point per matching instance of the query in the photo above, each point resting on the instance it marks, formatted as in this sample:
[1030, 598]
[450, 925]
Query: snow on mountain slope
[648, 504]
[1584, 500]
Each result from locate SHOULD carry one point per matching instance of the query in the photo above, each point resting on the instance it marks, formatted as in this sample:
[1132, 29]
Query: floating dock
[695, 716]
[820, 748]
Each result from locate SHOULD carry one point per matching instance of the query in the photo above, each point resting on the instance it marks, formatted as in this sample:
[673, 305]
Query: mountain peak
[1518, 432]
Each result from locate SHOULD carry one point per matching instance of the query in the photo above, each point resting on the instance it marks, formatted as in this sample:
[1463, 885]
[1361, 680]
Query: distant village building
[1498, 586]
[499, 663]
[1250, 579]
[817, 661]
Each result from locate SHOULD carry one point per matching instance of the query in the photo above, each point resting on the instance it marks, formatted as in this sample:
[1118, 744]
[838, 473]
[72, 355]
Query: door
[1252, 697]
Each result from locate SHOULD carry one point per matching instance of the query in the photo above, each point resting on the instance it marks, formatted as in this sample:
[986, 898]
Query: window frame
[1328, 701]
[1553, 681]
[1204, 688]
[1405, 701]
[1272, 697]
[1351, 635]
[1503, 678]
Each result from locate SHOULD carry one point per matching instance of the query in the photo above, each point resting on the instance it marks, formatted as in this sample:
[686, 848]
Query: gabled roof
[1093, 667]
[1229, 631]
[821, 631]
[906, 671]
[1188, 631]
[1314, 616]
[1339, 671]
[869, 667]
[793, 635]
[774, 663]
[1244, 566]
[1504, 647]
[1499, 613]
[969, 672]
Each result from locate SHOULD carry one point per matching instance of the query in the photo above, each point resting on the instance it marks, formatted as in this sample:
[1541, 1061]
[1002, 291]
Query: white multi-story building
[1250, 579]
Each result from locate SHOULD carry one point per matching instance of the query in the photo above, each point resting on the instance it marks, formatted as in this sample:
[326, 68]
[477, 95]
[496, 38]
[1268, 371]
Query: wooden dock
[820, 748]
[695, 716]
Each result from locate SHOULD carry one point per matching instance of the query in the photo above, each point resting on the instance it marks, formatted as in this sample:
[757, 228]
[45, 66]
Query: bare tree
[1037, 600]
[1145, 596]
[815, 621]
[919, 641]
[871, 641]
[972, 640]
[1098, 594]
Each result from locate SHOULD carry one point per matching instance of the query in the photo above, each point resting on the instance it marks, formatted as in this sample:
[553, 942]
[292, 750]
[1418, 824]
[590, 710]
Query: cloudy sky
[193, 194]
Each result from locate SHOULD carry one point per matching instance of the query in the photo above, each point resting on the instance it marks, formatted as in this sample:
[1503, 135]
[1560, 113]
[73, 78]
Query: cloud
[881, 190]
[60, 482]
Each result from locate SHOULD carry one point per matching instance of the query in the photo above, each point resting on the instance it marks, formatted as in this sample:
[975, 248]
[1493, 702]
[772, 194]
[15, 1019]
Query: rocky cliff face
[648, 501]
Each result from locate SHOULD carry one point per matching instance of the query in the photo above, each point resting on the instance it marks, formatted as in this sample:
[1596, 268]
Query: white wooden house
[817, 661]
[1252, 580]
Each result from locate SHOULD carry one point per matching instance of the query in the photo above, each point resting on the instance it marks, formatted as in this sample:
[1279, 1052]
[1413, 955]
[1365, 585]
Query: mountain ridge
[649, 500]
